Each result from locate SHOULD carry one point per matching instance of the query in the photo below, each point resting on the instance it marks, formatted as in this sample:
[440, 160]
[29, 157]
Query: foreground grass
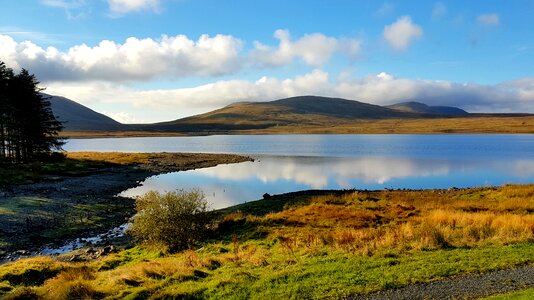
[521, 295]
[315, 246]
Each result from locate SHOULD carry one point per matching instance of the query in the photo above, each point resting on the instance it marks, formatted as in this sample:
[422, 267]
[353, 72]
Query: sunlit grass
[329, 246]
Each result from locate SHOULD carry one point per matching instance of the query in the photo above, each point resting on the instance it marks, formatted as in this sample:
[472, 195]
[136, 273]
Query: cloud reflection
[227, 185]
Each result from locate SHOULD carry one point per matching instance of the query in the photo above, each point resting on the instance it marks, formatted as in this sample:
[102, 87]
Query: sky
[144, 61]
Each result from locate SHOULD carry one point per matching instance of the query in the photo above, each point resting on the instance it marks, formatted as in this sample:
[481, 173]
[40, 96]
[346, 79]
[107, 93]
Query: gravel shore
[462, 287]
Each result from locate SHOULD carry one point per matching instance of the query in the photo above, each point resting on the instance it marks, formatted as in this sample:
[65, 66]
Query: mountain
[76, 117]
[294, 111]
[418, 107]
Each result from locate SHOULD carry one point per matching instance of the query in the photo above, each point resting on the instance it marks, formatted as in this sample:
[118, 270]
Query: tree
[175, 220]
[28, 127]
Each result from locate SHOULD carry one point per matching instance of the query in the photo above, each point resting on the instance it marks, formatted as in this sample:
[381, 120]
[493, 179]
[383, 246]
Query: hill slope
[295, 111]
[418, 107]
[76, 117]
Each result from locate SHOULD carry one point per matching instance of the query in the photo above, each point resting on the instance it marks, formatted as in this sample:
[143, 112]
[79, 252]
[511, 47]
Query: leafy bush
[175, 220]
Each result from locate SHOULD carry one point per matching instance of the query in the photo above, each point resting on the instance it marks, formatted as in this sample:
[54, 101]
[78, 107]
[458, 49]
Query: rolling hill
[295, 111]
[304, 114]
[76, 117]
[418, 107]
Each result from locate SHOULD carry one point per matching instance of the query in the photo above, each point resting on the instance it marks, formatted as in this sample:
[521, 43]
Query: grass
[521, 295]
[318, 124]
[35, 171]
[317, 245]
[83, 163]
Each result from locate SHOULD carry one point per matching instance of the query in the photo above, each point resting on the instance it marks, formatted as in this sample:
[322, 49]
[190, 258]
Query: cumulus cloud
[313, 49]
[400, 34]
[169, 56]
[489, 19]
[381, 89]
[125, 6]
[135, 59]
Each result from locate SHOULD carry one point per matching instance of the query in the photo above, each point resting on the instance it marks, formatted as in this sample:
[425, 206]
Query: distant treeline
[28, 128]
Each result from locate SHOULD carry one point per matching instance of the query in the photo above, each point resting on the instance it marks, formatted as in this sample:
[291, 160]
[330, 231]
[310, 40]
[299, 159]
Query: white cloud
[313, 49]
[400, 34]
[135, 59]
[439, 10]
[168, 57]
[489, 19]
[381, 89]
[125, 6]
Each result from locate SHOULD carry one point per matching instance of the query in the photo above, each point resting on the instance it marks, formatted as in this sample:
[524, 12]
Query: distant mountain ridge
[418, 107]
[76, 117]
[298, 111]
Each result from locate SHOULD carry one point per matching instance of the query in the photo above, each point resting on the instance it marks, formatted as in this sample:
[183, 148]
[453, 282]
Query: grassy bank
[36, 171]
[310, 245]
[473, 124]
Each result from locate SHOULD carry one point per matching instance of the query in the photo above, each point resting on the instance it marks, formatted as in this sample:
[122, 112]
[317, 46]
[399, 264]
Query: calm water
[297, 162]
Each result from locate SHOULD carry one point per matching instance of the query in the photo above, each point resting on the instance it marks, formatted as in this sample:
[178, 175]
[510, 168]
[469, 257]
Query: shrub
[175, 220]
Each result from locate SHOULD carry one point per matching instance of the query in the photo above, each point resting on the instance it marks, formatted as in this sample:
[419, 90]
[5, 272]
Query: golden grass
[317, 124]
[366, 222]
[112, 157]
[412, 126]
[356, 224]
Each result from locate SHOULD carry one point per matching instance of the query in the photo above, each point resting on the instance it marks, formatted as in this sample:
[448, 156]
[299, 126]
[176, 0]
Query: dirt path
[64, 207]
[463, 287]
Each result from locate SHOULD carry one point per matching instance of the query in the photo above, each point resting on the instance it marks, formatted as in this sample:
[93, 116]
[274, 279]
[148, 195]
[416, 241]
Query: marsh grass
[326, 246]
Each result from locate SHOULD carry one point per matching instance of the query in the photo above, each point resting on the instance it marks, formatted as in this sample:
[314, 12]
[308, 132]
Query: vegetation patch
[319, 246]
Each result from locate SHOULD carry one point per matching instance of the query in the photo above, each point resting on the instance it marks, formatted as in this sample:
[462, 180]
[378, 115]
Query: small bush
[175, 220]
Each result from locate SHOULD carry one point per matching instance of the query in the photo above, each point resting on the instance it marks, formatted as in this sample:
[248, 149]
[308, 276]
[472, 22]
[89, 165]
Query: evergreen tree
[28, 128]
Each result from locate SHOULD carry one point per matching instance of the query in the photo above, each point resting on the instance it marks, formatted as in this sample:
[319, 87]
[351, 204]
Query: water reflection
[227, 185]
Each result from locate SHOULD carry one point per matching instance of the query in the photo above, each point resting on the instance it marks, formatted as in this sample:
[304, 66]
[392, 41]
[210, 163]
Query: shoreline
[60, 208]
[468, 125]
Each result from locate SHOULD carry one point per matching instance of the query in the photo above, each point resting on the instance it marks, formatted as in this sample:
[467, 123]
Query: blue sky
[155, 60]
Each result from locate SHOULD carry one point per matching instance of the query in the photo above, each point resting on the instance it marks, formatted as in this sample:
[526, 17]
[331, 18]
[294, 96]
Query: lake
[286, 163]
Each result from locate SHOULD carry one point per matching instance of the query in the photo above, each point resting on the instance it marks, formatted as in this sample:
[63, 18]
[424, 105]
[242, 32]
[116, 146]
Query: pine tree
[29, 130]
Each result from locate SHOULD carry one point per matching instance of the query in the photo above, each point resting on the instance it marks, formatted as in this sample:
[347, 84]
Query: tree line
[28, 128]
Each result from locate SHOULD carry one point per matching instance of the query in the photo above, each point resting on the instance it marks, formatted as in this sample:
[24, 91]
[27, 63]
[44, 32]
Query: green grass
[527, 294]
[310, 245]
[35, 171]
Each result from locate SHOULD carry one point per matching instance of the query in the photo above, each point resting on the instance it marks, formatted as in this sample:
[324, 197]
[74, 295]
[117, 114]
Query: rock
[266, 196]
[75, 258]
[107, 249]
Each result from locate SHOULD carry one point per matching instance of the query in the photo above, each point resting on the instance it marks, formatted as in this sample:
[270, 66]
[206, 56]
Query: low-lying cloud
[381, 89]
